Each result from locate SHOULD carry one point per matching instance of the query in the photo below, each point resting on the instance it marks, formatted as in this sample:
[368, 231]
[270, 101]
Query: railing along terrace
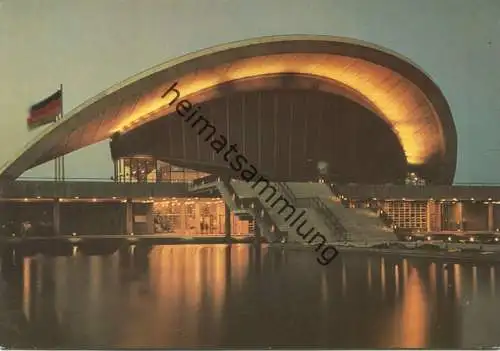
[206, 180]
[460, 191]
[96, 179]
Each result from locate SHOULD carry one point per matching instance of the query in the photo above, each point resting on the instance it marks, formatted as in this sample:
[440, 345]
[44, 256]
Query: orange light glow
[401, 103]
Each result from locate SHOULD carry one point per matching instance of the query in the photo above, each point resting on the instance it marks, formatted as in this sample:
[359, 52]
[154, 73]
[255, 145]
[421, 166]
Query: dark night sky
[90, 45]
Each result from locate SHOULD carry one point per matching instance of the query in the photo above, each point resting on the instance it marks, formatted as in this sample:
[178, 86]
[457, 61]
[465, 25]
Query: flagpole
[56, 166]
[62, 116]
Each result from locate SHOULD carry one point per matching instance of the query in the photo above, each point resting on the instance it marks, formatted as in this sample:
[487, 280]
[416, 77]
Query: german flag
[45, 111]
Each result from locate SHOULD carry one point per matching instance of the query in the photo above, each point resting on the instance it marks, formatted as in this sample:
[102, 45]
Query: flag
[45, 111]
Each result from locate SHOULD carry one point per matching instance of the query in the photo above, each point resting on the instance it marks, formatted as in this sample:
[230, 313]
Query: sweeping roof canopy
[391, 86]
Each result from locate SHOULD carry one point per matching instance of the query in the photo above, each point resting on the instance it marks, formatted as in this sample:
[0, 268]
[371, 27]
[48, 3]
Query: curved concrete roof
[390, 85]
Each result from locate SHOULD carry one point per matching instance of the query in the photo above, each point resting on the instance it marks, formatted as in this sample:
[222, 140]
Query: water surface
[238, 296]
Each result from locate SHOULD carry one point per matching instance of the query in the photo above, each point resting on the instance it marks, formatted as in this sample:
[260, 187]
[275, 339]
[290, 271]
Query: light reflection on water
[237, 296]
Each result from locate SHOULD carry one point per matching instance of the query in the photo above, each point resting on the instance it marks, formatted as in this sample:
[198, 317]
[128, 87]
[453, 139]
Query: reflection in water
[396, 279]
[324, 289]
[457, 275]
[405, 272]
[382, 276]
[409, 320]
[344, 280]
[492, 280]
[240, 296]
[474, 281]
[445, 280]
[414, 313]
[369, 274]
[27, 287]
[432, 278]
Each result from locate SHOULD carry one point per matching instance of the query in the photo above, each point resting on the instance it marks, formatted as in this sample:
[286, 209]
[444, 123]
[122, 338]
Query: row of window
[150, 170]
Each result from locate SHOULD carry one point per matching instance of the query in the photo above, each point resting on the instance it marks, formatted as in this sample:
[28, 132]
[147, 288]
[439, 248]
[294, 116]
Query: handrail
[26, 179]
[332, 220]
[332, 185]
[212, 178]
[285, 189]
[334, 190]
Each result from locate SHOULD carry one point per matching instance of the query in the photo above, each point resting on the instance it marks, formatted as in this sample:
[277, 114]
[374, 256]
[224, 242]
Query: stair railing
[385, 219]
[285, 190]
[332, 221]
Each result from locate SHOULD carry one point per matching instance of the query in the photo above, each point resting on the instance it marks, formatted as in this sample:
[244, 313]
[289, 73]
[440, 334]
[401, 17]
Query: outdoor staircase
[323, 211]
[313, 211]
[244, 206]
[265, 223]
[361, 225]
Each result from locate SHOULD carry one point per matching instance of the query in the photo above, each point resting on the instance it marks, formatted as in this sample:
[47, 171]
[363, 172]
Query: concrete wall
[20, 211]
[475, 216]
[496, 217]
[82, 218]
[13, 214]
[92, 218]
[142, 218]
[450, 219]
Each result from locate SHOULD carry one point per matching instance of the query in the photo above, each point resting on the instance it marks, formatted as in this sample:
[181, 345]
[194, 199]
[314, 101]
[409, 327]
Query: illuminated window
[146, 169]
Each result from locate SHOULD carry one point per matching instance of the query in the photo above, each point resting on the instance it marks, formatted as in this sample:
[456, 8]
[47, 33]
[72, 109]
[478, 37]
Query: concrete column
[491, 217]
[430, 212]
[258, 234]
[228, 266]
[218, 212]
[129, 217]
[56, 217]
[183, 217]
[434, 216]
[438, 208]
[197, 216]
[459, 215]
[150, 227]
[227, 222]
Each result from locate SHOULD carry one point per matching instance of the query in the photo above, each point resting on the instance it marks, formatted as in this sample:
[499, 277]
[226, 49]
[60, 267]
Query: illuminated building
[289, 103]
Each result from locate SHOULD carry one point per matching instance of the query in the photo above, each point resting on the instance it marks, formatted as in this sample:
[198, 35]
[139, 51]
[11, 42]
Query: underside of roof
[391, 86]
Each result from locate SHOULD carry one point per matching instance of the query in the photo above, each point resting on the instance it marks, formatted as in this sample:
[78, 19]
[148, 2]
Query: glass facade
[407, 214]
[195, 216]
[184, 216]
[146, 169]
[404, 214]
